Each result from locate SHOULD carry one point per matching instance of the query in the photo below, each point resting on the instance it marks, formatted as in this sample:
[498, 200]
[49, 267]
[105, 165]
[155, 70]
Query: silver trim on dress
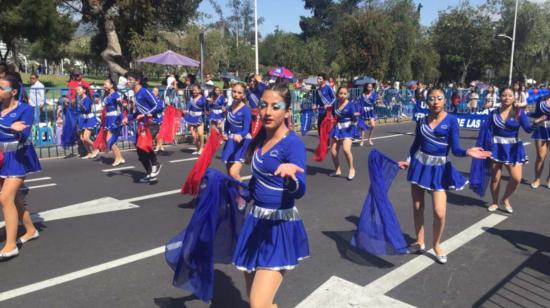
[275, 214]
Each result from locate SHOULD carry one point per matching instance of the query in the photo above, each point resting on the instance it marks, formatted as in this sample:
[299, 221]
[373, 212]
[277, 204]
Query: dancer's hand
[288, 170]
[238, 138]
[540, 120]
[478, 153]
[18, 126]
[140, 116]
[403, 165]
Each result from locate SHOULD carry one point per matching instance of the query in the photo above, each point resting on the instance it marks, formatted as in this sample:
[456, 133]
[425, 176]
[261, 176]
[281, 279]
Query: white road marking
[79, 274]
[118, 169]
[37, 179]
[37, 186]
[391, 136]
[98, 206]
[342, 293]
[182, 160]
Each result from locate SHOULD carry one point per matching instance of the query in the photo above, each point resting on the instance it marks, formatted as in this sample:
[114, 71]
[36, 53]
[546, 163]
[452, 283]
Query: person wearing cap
[76, 81]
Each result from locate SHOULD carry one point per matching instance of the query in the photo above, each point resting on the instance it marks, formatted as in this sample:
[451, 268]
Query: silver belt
[368, 108]
[248, 136]
[217, 111]
[430, 160]
[505, 140]
[88, 115]
[275, 214]
[546, 124]
[13, 146]
[195, 113]
[343, 125]
[112, 113]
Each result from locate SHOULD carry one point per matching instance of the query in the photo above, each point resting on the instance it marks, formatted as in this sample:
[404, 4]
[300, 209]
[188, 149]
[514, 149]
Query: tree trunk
[464, 73]
[113, 52]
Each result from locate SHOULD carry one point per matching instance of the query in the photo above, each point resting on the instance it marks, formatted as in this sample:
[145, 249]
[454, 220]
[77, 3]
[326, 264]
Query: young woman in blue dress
[429, 169]
[20, 159]
[508, 149]
[273, 238]
[343, 133]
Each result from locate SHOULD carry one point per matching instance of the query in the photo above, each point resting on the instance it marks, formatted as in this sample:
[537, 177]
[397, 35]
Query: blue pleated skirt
[88, 123]
[111, 122]
[192, 120]
[271, 243]
[370, 114]
[341, 133]
[234, 152]
[216, 116]
[20, 163]
[541, 133]
[509, 153]
[440, 176]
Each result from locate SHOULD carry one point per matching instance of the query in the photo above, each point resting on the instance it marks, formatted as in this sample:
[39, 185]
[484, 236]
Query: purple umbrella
[171, 58]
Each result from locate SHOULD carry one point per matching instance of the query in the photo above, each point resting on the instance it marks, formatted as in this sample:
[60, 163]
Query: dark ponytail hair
[284, 92]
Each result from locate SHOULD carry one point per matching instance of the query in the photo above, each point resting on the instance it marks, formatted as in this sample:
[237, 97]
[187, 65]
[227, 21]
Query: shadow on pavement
[528, 285]
[226, 294]
[463, 200]
[313, 170]
[353, 254]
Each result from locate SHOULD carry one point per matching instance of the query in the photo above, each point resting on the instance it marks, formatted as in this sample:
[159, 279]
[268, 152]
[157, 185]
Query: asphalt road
[498, 260]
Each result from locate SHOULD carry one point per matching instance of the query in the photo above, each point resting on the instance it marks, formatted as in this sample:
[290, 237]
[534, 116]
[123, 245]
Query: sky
[286, 13]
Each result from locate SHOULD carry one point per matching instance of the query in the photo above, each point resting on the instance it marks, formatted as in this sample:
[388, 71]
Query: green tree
[406, 18]
[37, 21]
[463, 36]
[365, 43]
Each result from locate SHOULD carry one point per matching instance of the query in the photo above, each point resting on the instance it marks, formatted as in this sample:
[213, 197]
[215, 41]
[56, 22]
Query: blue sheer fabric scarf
[210, 236]
[306, 121]
[378, 231]
[480, 170]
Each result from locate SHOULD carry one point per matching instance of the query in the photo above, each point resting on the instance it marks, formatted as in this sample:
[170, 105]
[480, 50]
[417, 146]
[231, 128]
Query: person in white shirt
[208, 80]
[37, 92]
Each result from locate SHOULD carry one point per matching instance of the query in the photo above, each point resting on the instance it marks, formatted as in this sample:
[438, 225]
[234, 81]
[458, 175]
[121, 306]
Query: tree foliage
[37, 21]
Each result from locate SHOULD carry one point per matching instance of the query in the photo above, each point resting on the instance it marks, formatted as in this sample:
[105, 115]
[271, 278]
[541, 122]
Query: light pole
[256, 35]
[513, 40]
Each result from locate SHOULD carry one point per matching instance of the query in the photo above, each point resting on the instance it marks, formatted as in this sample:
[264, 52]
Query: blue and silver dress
[20, 158]
[507, 147]
[542, 131]
[112, 114]
[216, 109]
[88, 119]
[195, 111]
[238, 123]
[273, 236]
[346, 127]
[429, 167]
[367, 104]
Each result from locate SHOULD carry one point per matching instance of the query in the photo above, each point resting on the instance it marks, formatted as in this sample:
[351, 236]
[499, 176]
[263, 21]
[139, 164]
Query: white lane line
[37, 179]
[37, 186]
[182, 160]
[391, 136]
[167, 193]
[79, 274]
[97, 206]
[341, 293]
[117, 169]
